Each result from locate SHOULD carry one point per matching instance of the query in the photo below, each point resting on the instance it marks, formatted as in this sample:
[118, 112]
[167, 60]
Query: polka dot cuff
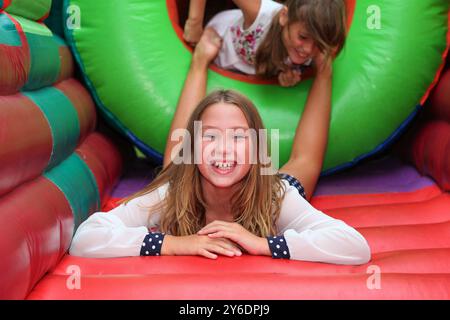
[152, 244]
[278, 247]
[293, 182]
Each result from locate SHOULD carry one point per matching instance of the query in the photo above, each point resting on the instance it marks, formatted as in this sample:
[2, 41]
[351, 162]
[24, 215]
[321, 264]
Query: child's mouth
[223, 167]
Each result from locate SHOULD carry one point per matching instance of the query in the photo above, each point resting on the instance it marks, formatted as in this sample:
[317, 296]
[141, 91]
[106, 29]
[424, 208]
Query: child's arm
[194, 89]
[250, 10]
[118, 233]
[311, 235]
[311, 136]
[197, 10]
[193, 28]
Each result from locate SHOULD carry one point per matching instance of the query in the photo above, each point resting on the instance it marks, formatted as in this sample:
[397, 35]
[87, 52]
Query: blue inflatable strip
[62, 118]
[383, 146]
[74, 178]
[45, 63]
[8, 32]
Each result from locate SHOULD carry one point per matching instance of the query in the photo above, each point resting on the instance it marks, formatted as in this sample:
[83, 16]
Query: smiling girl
[223, 205]
[269, 39]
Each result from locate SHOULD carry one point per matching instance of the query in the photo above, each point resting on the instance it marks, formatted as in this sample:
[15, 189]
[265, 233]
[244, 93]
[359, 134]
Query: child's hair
[257, 203]
[325, 20]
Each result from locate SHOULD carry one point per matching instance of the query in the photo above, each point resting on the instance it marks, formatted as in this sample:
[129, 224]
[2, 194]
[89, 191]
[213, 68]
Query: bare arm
[311, 136]
[194, 88]
[197, 10]
[193, 91]
[193, 27]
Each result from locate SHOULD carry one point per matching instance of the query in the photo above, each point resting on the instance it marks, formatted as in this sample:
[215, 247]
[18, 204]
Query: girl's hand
[324, 61]
[208, 47]
[199, 245]
[251, 243]
[289, 78]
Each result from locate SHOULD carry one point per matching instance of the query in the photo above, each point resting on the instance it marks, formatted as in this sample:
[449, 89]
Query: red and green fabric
[54, 169]
[31, 57]
[41, 129]
[38, 218]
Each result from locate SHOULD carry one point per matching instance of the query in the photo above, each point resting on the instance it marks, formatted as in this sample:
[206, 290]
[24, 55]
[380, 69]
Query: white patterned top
[239, 45]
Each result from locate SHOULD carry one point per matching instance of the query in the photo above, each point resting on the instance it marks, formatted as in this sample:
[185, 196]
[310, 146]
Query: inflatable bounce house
[66, 65]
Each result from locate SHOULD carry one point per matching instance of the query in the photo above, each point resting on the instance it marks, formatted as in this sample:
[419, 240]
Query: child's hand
[289, 78]
[193, 30]
[200, 245]
[324, 61]
[238, 234]
[208, 46]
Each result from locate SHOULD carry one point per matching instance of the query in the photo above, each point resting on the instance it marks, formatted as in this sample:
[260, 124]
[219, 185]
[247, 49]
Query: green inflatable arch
[135, 65]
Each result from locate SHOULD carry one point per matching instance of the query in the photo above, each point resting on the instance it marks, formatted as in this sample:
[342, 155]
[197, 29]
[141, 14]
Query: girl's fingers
[221, 250]
[209, 230]
[221, 240]
[234, 249]
[230, 245]
[217, 234]
[224, 234]
[212, 228]
[283, 80]
[207, 254]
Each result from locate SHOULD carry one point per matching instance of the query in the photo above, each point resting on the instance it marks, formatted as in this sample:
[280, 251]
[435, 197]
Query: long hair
[255, 205]
[325, 21]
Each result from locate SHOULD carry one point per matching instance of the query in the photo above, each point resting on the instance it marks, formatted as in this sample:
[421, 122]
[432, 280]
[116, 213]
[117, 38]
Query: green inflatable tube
[135, 65]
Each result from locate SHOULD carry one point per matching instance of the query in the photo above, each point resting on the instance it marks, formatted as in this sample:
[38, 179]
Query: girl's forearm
[312, 131]
[197, 10]
[168, 246]
[193, 92]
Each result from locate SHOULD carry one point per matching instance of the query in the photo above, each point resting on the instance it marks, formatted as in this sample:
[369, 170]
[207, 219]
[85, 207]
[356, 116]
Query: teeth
[223, 165]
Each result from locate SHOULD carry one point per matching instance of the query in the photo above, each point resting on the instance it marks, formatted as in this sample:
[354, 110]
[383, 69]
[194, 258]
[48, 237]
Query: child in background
[269, 39]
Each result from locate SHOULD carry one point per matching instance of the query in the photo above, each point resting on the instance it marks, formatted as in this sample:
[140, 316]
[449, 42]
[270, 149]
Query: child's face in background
[298, 42]
[225, 145]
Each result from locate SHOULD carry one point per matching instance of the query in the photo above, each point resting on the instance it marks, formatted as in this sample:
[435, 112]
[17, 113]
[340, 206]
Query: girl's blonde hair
[257, 203]
[325, 21]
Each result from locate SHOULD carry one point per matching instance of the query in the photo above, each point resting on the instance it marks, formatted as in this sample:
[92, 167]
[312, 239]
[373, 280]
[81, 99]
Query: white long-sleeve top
[310, 234]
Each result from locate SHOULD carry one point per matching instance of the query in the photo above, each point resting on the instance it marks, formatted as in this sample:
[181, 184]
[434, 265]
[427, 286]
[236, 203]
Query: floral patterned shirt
[239, 45]
[244, 42]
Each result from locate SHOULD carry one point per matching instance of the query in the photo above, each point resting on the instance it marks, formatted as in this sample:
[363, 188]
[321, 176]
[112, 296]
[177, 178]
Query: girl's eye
[208, 137]
[239, 137]
[302, 37]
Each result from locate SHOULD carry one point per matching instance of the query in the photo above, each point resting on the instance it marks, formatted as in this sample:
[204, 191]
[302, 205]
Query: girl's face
[297, 41]
[225, 145]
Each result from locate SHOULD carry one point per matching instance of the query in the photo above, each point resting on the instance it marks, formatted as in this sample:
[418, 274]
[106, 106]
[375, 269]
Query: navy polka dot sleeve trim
[152, 244]
[293, 182]
[278, 247]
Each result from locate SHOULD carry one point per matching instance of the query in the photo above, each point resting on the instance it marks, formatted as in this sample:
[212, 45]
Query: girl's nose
[223, 147]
